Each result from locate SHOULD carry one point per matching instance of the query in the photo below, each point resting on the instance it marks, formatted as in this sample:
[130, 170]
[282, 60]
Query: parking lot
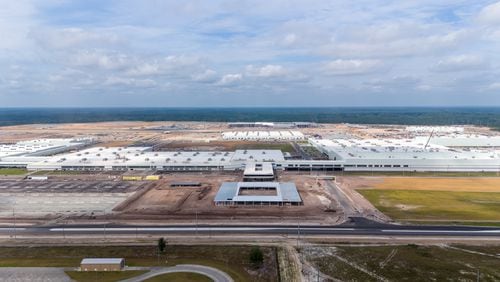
[33, 186]
[54, 197]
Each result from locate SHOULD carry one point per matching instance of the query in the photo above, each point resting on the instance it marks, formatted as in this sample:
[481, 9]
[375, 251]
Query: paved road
[33, 274]
[213, 273]
[345, 203]
[357, 226]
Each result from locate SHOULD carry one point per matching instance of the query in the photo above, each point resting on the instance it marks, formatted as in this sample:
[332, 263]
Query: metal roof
[102, 261]
[285, 192]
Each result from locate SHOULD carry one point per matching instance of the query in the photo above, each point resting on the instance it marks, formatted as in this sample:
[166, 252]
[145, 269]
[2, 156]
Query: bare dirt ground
[348, 186]
[185, 203]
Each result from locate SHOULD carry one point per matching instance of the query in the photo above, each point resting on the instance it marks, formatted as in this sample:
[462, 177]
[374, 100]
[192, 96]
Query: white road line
[92, 229]
[440, 231]
[10, 229]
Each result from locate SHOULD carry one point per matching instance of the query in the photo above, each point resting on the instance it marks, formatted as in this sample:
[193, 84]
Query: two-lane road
[360, 227]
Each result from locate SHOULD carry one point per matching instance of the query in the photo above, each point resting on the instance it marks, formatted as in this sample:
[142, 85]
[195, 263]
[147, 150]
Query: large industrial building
[142, 158]
[419, 154]
[439, 153]
[283, 135]
[257, 194]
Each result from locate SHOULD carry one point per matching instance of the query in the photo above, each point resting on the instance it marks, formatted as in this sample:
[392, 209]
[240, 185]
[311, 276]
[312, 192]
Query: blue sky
[249, 53]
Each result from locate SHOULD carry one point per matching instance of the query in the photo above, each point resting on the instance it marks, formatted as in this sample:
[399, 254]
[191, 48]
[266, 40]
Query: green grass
[407, 263]
[180, 277]
[12, 171]
[109, 276]
[414, 173]
[231, 259]
[435, 205]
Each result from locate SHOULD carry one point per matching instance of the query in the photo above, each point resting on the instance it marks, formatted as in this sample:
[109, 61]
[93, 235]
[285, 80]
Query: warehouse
[282, 135]
[102, 264]
[23, 152]
[142, 158]
[258, 172]
[257, 194]
[406, 155]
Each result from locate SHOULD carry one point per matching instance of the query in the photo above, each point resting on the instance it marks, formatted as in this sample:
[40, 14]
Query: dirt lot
[184, 202]
[462, 184]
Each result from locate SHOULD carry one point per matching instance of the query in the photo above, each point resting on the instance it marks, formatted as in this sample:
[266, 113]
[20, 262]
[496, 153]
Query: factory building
[283, 135]
[272, 124]
[257, 194]
[258, 172]
[406, 155]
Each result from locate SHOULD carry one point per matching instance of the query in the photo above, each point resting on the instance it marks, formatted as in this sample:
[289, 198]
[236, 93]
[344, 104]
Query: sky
[58, 53]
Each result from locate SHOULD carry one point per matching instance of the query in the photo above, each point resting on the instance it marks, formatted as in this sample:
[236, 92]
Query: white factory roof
[398, 149]
[436, 129]
[39, 146]
[263, 135]
[254, 169]
[143, 156]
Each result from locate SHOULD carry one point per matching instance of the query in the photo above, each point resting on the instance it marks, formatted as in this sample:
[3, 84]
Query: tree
[162, 245]
[256, 256]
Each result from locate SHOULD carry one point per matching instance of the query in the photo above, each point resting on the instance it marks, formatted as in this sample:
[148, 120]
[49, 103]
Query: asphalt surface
[214, 274]
[344, 202]
[357, 226]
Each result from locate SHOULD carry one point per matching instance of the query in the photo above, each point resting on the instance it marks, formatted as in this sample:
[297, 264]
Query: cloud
[120, 81]
[266, 71]
[206, 76]
[351, 67]
[72, 37]
[490, 14]
[495, 86]
[230, 79]
[336, 52]
[100, 59]
[460, 63]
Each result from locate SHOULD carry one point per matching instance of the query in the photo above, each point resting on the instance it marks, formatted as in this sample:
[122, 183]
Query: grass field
[231, 259]
[12, 171]
[403, 263]
[435, 205]
[180, 277]
[110, 276]
[484, 184]
[420, 174]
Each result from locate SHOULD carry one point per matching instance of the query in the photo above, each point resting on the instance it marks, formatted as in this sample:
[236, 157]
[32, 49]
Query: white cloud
[206, 76]
[72, 37]
[495, 86]
[460, 63]
[351, 67]
[266, 71]
[490, 14]
[100, 59]
[120, 81]
[290, 39]
[230, 79]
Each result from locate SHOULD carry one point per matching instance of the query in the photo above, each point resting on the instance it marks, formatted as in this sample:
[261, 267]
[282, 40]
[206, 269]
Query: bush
[256, 256]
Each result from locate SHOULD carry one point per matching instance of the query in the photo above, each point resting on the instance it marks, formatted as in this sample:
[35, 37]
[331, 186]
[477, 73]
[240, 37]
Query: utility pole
[298, 231]
[14, 214]
[196, 222]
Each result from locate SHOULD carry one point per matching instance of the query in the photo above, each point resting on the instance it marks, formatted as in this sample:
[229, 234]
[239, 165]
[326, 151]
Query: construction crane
[428, 140]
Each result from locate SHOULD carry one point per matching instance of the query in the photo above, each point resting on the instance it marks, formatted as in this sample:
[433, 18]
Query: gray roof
[102, 261]
[285, 192]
